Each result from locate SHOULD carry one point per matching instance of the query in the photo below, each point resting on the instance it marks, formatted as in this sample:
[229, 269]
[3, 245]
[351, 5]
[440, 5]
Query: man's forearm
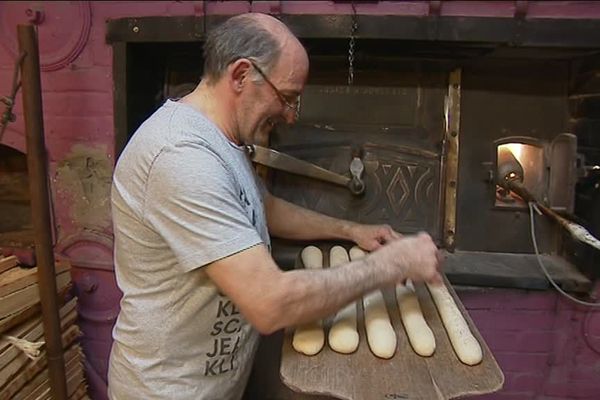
[289, 221]
[316, 294]
[272, 299]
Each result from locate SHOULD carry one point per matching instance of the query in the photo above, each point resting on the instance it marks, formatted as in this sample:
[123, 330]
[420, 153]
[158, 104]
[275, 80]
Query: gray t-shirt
[183, 196]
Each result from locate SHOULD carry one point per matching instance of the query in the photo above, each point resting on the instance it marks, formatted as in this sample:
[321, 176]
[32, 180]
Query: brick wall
[547, 347]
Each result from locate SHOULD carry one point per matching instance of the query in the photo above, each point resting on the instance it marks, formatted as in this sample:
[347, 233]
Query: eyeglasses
[292, 105]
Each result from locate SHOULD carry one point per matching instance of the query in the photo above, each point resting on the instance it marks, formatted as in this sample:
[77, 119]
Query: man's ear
[239, 72]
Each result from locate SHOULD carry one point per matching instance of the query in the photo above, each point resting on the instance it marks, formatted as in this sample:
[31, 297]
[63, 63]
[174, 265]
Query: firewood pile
[23, 360]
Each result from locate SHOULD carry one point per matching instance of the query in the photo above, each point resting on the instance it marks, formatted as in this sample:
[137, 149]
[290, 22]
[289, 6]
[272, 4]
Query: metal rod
[518, 188]
[40, 207]
[281, 161]
[450, 164]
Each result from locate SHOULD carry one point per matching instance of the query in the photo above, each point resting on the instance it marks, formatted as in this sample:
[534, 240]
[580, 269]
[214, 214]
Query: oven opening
[519, 163]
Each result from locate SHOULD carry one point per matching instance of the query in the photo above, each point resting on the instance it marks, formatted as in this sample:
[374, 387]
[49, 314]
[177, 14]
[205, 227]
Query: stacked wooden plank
[23, 361]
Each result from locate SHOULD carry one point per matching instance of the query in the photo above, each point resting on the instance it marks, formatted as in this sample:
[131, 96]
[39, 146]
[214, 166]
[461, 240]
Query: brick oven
[428, 95]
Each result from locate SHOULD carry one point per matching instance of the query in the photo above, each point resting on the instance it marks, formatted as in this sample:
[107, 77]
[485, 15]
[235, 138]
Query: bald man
[192, 226]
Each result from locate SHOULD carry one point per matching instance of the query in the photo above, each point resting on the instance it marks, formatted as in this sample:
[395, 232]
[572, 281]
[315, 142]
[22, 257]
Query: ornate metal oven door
[398, 132]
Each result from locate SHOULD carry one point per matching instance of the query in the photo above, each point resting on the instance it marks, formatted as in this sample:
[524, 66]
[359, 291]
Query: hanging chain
[9, 100]
[351, 44]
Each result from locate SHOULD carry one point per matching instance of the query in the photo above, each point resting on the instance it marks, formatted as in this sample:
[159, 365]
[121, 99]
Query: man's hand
[413, 257]
[372, 237]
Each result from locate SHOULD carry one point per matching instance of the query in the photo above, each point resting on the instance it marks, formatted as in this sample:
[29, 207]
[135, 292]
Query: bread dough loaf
[465, 345]
[343, 335]
[356, 253]
[312, 257]
[419, 333]
[309, 338]
[380, 332]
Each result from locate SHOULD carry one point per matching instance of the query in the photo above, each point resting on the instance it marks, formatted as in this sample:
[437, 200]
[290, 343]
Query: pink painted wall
[547, 348]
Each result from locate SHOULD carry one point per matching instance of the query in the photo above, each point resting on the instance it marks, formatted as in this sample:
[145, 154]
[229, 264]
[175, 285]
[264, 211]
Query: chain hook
[351, 45]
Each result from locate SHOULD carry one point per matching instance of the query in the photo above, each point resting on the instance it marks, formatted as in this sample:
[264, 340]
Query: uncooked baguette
[465, 345]
[309, 338]
[380, 332]
[343, 335]
[419, 333]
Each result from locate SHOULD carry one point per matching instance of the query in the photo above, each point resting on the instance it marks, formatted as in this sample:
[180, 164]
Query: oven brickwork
[547, 348]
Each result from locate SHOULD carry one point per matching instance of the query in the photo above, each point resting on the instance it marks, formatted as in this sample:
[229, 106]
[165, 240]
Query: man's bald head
[257, 36]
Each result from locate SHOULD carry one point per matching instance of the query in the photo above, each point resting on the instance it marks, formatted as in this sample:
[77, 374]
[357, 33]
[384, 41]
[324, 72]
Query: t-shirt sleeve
[193, 201]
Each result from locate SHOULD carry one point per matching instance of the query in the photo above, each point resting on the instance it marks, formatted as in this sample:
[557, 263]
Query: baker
[192, 226]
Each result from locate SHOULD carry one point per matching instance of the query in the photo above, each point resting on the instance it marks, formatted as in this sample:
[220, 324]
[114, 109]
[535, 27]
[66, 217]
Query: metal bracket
[283, 162]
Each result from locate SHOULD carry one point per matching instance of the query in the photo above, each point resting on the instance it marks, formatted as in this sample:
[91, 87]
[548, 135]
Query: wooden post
[40, 207]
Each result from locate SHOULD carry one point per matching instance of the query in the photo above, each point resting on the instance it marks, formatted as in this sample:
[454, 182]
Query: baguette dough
[419, 333]
[343, 335]
[380, 332]
[465, 345]
[309, 338]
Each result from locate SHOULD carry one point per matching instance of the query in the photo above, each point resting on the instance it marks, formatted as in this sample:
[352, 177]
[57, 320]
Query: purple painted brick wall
[547, 348]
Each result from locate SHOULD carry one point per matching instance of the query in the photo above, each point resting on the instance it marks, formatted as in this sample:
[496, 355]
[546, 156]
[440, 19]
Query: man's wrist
[348, 231]
[380, 273]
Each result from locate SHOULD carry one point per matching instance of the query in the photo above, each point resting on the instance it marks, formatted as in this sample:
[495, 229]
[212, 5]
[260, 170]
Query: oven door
[396, 130]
